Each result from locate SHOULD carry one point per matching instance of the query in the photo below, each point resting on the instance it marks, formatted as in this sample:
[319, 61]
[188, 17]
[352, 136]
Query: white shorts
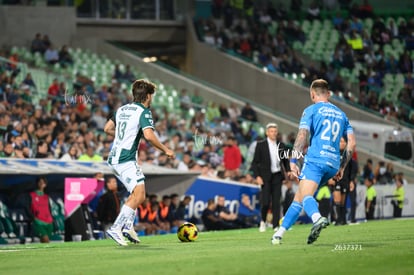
[129, 173]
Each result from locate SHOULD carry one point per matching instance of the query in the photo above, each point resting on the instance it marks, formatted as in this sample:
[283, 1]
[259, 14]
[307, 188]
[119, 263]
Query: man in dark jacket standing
[269, 165]
[108, 205]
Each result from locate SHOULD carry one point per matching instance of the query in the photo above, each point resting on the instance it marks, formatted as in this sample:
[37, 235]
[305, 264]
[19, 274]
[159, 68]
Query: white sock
[315, 217]
[280, 232]
[130, 222]
[123, 217]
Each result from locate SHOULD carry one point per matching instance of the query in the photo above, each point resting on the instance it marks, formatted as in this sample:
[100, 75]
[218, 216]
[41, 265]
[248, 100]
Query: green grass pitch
[377, 247]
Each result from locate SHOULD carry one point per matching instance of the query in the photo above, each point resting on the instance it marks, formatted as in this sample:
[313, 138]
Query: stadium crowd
[265, 34]
[71, 128]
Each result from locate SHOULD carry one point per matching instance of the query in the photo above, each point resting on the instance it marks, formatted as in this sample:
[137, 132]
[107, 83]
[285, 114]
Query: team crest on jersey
[128, 180]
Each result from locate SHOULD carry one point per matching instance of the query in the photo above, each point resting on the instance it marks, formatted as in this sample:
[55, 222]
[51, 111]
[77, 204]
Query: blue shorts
[317, 172]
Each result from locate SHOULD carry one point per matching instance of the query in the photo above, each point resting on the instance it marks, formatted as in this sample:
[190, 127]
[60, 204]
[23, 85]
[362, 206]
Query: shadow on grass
[142, 247]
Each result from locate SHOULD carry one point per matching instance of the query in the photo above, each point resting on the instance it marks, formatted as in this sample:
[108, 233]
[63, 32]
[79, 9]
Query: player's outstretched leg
[290, 218]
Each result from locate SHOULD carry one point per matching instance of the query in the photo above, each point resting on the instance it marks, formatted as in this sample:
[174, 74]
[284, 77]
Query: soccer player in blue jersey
[326, 124]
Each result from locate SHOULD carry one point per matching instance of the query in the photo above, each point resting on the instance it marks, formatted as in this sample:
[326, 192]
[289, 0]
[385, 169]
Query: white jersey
[130, 121]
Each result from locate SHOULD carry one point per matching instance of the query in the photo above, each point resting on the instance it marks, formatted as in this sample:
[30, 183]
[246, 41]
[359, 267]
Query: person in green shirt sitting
[398, 202]
[370, 198]
[90, 155]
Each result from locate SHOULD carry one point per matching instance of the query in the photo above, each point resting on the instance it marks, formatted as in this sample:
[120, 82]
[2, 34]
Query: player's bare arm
[347, 155]
[109, 128]
[298, 148]
[300, 141]
[152, 138]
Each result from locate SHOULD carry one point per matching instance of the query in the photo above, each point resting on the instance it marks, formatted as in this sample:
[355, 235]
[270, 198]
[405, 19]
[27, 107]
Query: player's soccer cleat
[131, 235]
[317, 227]
[262, 227]
[116, 235]
[276, 240]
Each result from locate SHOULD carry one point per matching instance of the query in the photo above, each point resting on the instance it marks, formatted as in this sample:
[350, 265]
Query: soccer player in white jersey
[129, 124]
[326, 124]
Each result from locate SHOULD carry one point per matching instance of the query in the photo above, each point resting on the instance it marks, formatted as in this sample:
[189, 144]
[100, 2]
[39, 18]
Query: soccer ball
[187, 232]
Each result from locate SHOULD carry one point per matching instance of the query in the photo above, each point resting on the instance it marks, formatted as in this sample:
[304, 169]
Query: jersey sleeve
[306, 120]
[146, 120]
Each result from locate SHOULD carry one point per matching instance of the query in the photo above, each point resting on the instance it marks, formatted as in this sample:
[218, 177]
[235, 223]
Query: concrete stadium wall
[19, 24]
[131, 31]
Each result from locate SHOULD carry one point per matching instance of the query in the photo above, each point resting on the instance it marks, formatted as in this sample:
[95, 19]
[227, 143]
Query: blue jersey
[326, 124]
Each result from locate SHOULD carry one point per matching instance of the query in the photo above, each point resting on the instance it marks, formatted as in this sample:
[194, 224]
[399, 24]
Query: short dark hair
[320, 86]
[40, 179]
[141, 88]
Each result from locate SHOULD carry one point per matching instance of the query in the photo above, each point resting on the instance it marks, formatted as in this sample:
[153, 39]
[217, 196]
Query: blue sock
[292, 215]
[311, 208]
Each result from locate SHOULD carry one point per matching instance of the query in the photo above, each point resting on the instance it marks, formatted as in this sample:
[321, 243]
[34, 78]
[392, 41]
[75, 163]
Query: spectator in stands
[90, 154]
[42, 150]
[46, 41]
[51, 55]
[197, 99]
[313, 11]
[380, 173]
[8, 151]
[37, 44]
[117, 73]
[213, 111]
[4, 125]
[71, 154]
[40, 211]
[249, 113]
[232, 157]
[405, 63]
[128, 75]
[28, 80]
[64, 57]
[184, 163]
[234, 111]
[109, 204]
[185, 100]
[337, 20]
